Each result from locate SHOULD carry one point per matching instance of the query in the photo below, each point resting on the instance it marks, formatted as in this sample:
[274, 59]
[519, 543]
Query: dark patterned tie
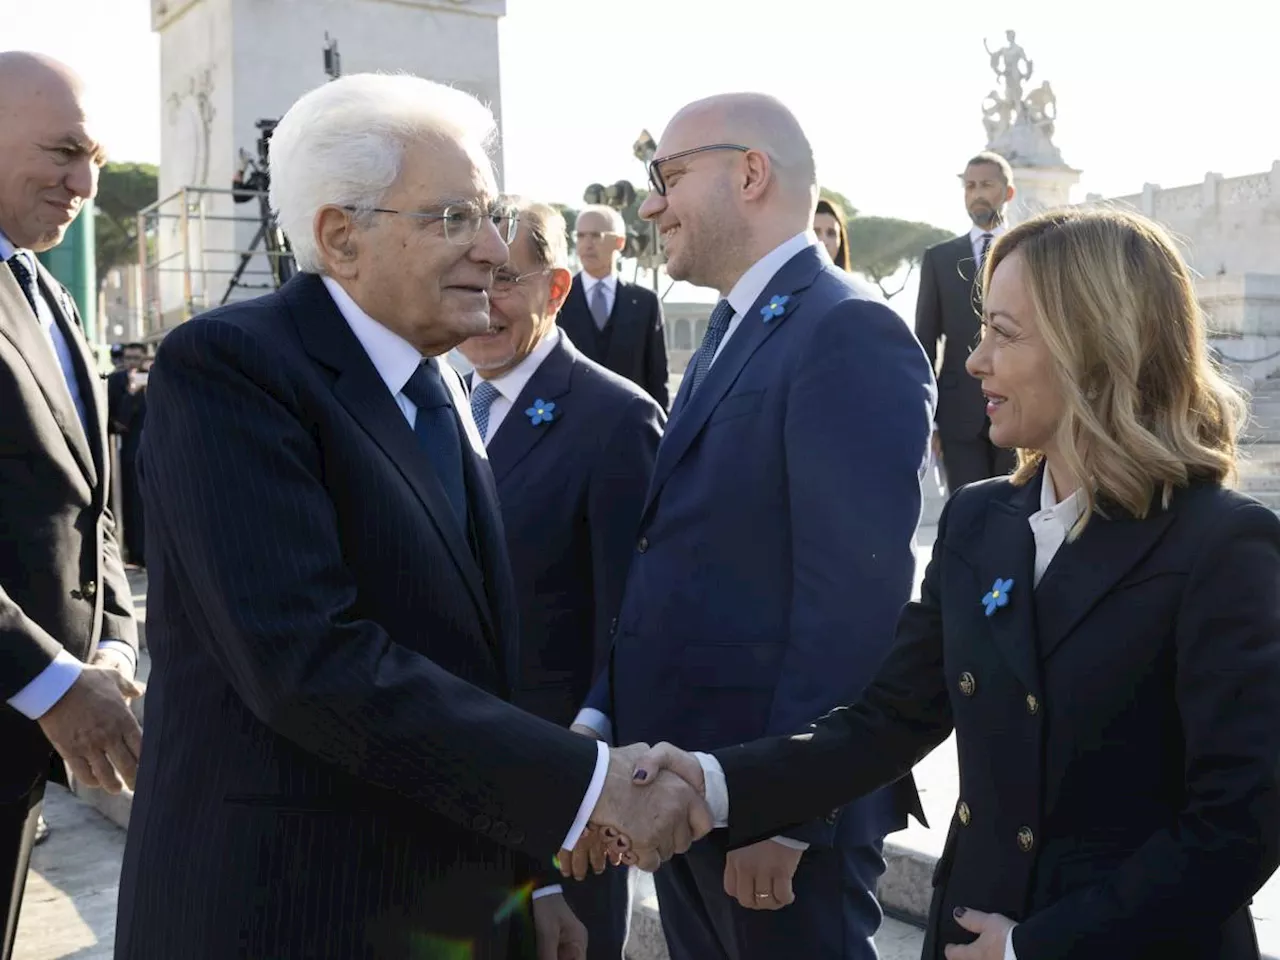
[982, 254]
[482, 398]
[437, 429]
[26, 280]
[716, 328]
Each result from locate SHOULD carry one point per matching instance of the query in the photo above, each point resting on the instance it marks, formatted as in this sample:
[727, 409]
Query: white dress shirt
[396, 359]
[1049, 527]
[512, 383]
[975, 239]
[610, 283]
[50, 685]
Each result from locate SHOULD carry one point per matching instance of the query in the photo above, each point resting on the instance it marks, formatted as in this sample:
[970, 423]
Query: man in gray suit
[68, 641]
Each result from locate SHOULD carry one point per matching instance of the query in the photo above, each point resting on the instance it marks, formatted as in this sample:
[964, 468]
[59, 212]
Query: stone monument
[1020, 124]
[226, 64]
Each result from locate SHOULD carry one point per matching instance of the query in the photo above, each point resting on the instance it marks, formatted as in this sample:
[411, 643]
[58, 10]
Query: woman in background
[828, 224]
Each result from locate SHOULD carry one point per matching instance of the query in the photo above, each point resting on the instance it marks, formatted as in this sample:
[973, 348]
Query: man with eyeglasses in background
[615, 323]
[572, 447]
[333, 766]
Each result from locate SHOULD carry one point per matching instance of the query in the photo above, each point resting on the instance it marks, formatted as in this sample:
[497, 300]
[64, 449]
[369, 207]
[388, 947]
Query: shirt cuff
[1008, 946]
[548, 891]
[793, 844]
[122, 649]
[594, 789]
[717, 789]
[597, 721]
[39, 696]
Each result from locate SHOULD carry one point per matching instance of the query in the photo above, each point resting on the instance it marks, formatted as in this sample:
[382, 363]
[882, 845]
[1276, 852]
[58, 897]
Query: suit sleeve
[28, 647]
[1225, 841]
[777, 783]
[235, 475]
[656, 369]
[615, 499]
[857, 434]
[929, 309]
[118, 622]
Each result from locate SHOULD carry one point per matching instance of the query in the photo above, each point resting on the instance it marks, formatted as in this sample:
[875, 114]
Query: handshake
[653, 806]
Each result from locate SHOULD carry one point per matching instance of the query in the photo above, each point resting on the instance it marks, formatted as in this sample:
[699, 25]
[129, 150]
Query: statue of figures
[1008, 64]
[1042, 107]
[997, 115]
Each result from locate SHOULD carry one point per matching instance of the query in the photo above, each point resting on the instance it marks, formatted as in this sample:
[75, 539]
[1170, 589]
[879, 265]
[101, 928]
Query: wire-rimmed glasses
[461, 220]
[655, 165]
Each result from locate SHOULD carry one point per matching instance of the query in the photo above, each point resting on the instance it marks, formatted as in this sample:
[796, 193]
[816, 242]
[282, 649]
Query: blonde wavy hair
[1146, 408]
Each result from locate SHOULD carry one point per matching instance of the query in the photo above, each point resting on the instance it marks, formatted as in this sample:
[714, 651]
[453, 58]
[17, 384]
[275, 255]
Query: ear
[757, 174]
[620, 242]
[1009, 192]
[561, 283]
[337, 239]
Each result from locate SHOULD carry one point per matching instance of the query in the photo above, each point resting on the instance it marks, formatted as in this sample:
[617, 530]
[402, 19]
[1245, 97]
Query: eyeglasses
[655, 166]
[461, 220]
[583, 235]
[505, 282]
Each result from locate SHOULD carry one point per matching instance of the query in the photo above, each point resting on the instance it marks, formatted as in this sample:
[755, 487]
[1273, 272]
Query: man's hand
[654, 822]
[560, 934]
[94, 731]
[992, 930]
[759, 876]
[591, 850]
[935, 444]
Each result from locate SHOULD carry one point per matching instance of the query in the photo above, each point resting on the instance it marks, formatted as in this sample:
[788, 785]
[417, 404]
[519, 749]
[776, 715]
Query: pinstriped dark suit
[329, 769]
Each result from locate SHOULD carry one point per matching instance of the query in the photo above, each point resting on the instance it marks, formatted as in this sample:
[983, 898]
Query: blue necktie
[482, 398]
[26, 280]
[716, 328]
[436, 427]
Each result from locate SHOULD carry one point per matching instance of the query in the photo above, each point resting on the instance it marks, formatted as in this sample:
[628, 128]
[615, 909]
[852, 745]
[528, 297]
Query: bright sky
[889, 93]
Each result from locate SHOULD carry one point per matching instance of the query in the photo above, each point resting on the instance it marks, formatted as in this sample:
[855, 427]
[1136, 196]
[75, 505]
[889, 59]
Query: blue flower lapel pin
[776, 307]
[542, 411]
[998, 596]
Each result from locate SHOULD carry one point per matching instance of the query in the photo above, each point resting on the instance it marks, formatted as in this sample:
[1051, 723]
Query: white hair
[343, 143]
[616, 223]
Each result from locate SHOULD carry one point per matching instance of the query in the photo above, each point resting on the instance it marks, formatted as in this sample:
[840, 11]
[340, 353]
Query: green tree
[570, 218]
[880, 246]
[123, 190]
[840, 201]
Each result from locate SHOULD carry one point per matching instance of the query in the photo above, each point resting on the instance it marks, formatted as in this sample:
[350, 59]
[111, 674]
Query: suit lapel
[691, 414]
[24, 331]
[517, 435]
[622, 340]
[85, 364]
[574, 315]
[1084, 571]
[365, 396]
[1008, 553]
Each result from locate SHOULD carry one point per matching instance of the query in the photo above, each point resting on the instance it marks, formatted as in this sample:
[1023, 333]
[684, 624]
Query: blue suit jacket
[571, 492]
[328, 768]
[777, 541]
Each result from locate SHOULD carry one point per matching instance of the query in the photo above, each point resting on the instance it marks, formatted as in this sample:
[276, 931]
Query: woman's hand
[993, 935]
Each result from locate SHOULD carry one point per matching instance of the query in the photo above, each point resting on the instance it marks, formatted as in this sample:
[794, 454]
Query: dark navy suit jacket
[633, 343]
[571, 492]
[329, 769]
[1118, 727]
[776, 546]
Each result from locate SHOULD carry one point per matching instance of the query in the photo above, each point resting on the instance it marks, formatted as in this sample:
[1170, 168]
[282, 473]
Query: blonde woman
[1101, 630]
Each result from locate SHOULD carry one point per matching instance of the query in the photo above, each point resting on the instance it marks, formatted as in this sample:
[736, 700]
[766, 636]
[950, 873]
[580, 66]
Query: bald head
[758, 121]
[49, 158]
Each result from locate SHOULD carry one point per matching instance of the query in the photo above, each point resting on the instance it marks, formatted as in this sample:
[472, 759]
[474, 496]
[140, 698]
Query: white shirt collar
[394, 357]
[511, 383]
[1066, 511]
[610, 281]
[752, 283]
[976, 232]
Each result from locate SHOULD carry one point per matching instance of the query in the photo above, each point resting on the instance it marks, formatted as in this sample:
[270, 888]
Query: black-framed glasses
[461, 221]
[506, 281]
[655, 165]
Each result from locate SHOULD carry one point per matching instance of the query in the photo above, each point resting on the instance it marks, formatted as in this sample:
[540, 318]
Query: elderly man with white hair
[332, 767]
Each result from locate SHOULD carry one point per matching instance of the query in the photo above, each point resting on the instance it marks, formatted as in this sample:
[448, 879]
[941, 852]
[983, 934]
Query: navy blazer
[949, 312]
[329, 768]
[1118, 728]
[633, 343]
[777, 543]
[571, 492]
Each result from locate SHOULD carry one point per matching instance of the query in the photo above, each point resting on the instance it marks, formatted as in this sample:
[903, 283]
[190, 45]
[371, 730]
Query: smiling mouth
[994, 400]
[669, 232]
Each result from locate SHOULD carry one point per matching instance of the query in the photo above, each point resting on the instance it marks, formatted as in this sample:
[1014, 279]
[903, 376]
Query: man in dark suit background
[571, 481]
[615, 323]
[126, 416]
[949, 310]
[68, 641]
[776, 544]
[331, 767]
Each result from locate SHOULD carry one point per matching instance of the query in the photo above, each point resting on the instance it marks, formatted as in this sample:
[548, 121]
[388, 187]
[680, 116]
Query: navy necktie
[482, 398]
[716, 328]
[982, 254]
[436, 427]
[26, 280]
